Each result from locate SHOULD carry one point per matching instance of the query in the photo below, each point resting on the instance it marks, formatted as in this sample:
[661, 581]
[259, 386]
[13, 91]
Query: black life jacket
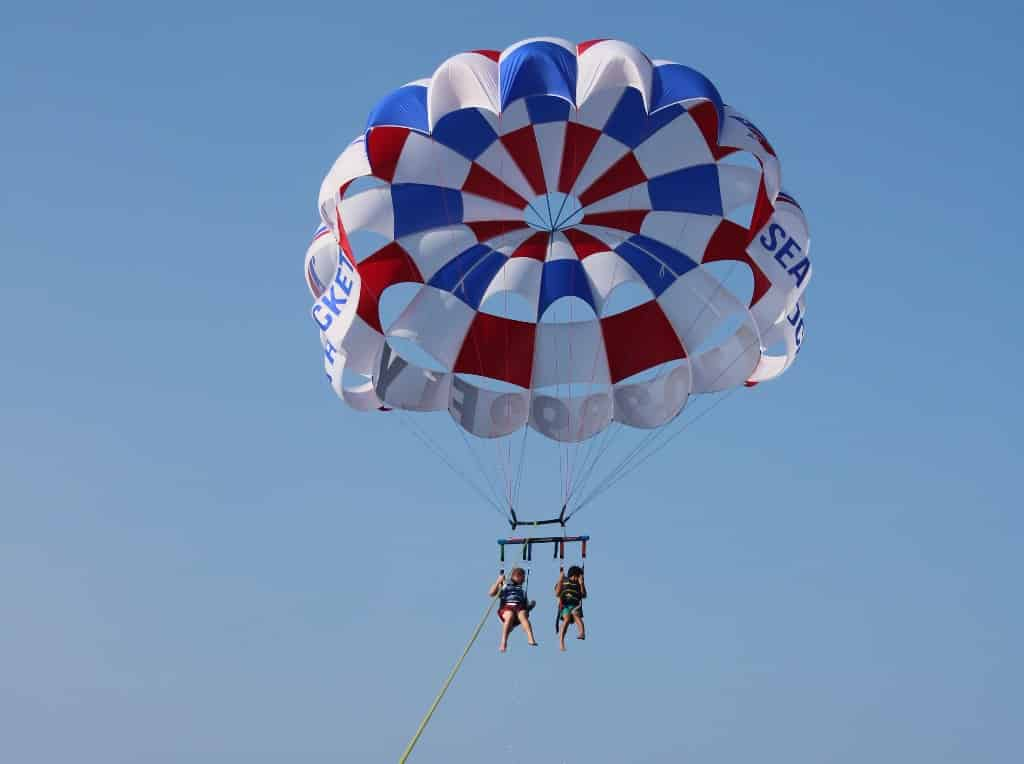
[570, 595]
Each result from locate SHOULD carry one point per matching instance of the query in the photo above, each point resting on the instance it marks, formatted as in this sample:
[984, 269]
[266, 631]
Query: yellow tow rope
[447, 682]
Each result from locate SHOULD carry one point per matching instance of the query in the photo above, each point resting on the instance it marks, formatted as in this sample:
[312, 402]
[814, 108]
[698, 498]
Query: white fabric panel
[683, 231]
[464, 81]
[369, 210]
[361, 346]
[515, 117]
[571, 419]
[437, 321]
[405, 386]
[569, 352]
[605, 271]
[789, 330]
[654, 402]
[634, 198]
[521, 275]
[550, 141]
[433, 248]
[497, 162]
[487, 413]
[424, 160]
[678, 144]
[613, 64]
[737, 185]
[696, 304]
[612, 237]
[476, 208]
[737, 132]
[598, 109]
[559, 248]
[509, 242]
[607, 151]
[361, 397]
[321, 261]
[728, 365]
[793, 218]
[353, 163]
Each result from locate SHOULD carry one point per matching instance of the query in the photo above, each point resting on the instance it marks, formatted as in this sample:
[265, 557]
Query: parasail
[562, 211]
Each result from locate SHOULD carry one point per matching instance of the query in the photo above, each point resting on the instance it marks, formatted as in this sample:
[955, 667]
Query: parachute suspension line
[484, 473]
[659, 433]
[656, 449]
[569, 489]
[652, 445]
[447, 682]
[522, 462]
[635, 459]
[615, 478]
[429, 444]
[608, 438]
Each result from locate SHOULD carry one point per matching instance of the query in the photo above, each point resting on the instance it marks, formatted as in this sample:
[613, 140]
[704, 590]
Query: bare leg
[506, 627]
[561, 633]
[578, 620]
[524, 621]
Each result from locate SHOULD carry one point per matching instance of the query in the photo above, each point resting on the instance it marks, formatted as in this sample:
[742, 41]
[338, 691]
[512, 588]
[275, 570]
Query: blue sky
[207, 558]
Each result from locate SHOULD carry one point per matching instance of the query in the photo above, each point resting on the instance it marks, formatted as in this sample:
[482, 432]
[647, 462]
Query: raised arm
[583, 587]
[496, 586]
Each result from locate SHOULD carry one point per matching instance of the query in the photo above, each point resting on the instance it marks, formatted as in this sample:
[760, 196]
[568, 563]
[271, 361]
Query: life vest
[513, 594]
[570, 595]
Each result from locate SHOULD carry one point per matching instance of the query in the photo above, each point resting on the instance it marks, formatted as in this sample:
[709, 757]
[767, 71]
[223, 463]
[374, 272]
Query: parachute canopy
[546, 175]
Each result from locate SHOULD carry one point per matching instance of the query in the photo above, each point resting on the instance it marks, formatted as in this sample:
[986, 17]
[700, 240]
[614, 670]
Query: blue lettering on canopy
[405, 107]
[466, 131]
[333, 301]
[420, 207]
[468, 274]
[788, 251]
[629, 122]
[692, 189]
[538, 68]
[563, 278]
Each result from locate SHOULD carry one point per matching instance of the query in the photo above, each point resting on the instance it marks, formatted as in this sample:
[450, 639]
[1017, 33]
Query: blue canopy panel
[405, 107]
[658, 264]
[563, 278]
[468, 274]
[543, 109]
[418, 207]
[629, 122]
[673, 83]
[693, 189]
[538, 68]
[465, 131]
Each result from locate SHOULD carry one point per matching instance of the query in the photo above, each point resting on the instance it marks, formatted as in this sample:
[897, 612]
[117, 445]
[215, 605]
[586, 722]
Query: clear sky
[206, 558]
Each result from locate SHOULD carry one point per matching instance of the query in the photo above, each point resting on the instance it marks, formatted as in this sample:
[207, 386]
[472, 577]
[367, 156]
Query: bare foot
[502, 648]
[562, 647]
[532, 644]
